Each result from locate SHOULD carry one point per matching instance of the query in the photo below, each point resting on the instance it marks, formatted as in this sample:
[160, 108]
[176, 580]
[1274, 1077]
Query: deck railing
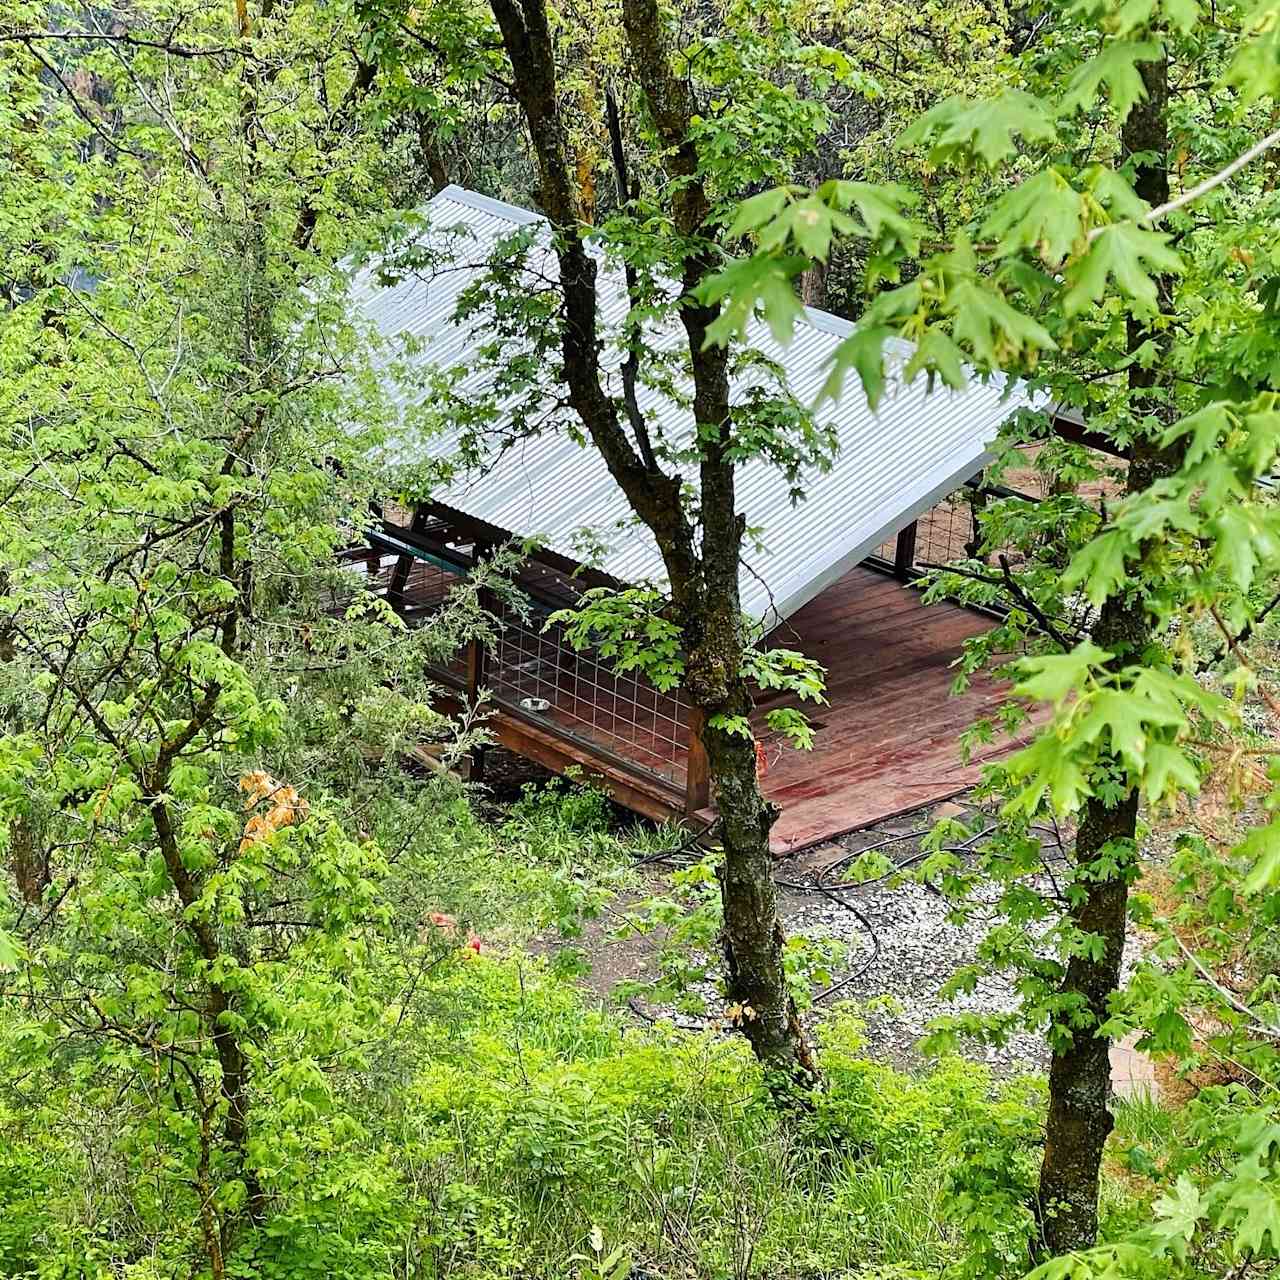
[531, 666]
[946, 533]
[531, 671]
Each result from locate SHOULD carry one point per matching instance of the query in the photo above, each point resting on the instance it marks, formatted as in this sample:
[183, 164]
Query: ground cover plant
[280, 995]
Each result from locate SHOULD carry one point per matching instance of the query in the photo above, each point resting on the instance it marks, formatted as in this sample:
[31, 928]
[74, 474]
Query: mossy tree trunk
[1079, 1118]
[702, 564]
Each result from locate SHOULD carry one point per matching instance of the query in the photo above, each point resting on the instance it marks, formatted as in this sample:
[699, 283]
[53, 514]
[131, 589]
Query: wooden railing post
[977, 500]
[477, 662]
[476, 655]
[904, 552]
[373, 561]
[697, 784]
[400, 574]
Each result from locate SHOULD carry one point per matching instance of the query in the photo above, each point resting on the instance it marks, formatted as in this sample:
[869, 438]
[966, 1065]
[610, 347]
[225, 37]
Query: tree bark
[1079, 1117]
[813, 285]
[703, 573]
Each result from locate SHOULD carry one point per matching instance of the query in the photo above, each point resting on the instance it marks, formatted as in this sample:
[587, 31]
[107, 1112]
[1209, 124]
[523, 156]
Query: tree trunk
[703, 573]
[1079, 1118]
[752, 937]
[813, 285]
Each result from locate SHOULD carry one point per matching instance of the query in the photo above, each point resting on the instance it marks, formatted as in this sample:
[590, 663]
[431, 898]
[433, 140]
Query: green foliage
[1137, 718]
[991, 1191]
[1232, 1219]
[962, 129]
[1156, 323]
[633, 629]
[239, 1031]
[627, 627]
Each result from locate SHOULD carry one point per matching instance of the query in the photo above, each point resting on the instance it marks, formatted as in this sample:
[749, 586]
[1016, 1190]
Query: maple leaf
[1262, 846]
[938, 356]
[751, 283]
[1168, 770]
[993, 332]
[1051, 677]
[881, 209]
[10, 953]
[1255, 70]
[1207, 427]
[961, 128]
[863, 352]
[1259, 1206]
[812, 225]
[1135, 15]
[1043, 214]
[1099, 566]
[758, 210]
[1125, 254]
[1178, 1214]
[1116, 67]
[1243, 540]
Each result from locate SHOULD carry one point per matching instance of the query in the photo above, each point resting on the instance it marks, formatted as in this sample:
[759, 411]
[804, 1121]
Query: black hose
[669, 855]
[870, 929]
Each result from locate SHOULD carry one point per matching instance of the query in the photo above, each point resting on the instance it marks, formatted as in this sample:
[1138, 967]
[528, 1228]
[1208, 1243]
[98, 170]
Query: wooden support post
[697, 785]
[400, 574]
[477, 659]
[904, 552]
[977, 500]
[373, 562]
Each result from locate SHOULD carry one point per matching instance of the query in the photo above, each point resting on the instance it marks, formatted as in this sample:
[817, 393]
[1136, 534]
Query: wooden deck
[888, 740]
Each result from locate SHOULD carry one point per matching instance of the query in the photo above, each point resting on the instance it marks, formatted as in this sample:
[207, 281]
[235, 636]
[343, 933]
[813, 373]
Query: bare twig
[1256, 1023]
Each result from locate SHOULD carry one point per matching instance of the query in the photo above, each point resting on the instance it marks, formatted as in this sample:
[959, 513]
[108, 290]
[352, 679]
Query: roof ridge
[486, 204]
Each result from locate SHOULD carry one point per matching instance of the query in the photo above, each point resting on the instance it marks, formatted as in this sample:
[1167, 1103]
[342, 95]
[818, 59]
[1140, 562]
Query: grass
[505, 1127]
[662, 1141]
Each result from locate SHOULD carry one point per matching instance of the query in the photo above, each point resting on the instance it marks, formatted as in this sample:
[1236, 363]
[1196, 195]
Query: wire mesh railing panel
[944, 533]
[951, 530]
[533, 667]
[529, 665]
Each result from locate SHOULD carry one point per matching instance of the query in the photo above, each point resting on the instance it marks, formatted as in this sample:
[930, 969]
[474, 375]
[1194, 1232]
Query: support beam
[476, 658]
[483, 531]
[400, 574]
[697, 784]
[904, 552]
[477, 673]
[1069, 424]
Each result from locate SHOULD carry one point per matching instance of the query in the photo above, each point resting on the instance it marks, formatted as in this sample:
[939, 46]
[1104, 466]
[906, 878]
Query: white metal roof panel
[892, 464]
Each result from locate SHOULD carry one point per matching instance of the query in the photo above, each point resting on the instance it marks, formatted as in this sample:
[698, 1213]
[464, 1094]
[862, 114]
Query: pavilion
[831, 576]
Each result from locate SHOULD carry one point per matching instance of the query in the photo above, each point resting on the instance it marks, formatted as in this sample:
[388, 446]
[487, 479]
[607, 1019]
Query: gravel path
[903, 947]
[900, 948]
[914, 951]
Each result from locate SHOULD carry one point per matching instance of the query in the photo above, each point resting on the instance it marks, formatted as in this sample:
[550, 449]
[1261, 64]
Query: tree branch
[77, 106]
[1161, 211]
[631, 365]
[136, 42]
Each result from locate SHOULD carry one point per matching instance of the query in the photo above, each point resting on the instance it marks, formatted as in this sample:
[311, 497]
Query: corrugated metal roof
[893, 464]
